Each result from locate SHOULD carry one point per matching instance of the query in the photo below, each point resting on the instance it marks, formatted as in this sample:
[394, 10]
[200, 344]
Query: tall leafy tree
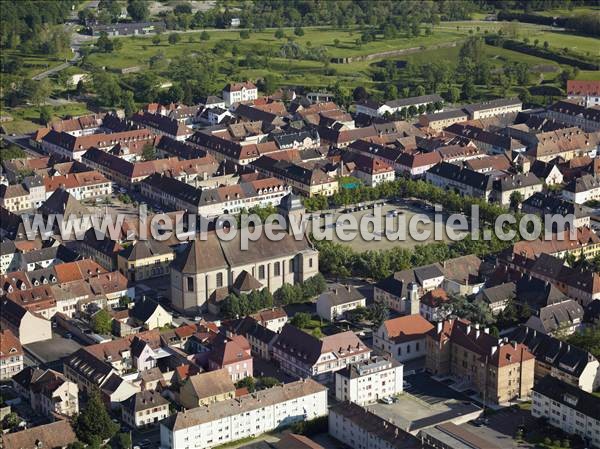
[138, 10]
[101, 322]
[94, 422]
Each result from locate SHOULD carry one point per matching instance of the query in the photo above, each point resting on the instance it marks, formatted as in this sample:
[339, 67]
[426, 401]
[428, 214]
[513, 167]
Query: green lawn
[562, 39]
[137, 51]
[34, 64]
[26, 119]
[590, 75]
[569, 12]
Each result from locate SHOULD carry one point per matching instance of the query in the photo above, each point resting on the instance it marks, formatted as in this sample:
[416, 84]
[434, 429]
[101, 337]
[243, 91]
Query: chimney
[494, 349]
[514, 344]
[486, 330]
[468, 329]
[439, 327]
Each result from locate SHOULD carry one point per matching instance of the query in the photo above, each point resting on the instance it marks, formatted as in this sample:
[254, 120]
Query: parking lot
[502, 426]
[429, 390]
[393, 216]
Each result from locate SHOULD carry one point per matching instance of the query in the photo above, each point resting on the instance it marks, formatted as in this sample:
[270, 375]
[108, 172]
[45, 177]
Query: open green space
[590, 75]
[138, 50]
[569, 12]
[37, 63]
[341, 43]
[26, 119]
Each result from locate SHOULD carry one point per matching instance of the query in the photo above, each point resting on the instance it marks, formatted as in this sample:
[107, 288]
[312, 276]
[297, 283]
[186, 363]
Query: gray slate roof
[552, 351]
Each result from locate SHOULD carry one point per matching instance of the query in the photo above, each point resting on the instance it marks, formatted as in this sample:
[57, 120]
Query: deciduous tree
[93, 421]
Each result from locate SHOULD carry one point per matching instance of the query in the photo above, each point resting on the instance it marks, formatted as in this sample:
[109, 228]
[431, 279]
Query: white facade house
[374, 109]
[11, 355]
[568, 408]
[63, 400]
[583, 189]
[373, 171]
[238, 92]
[144, 408]
[338, 300]
[303, 355]
[25, 325]
[9, 257]
[368, 381]
[273, 319]
[245, 416]
[403, 338]
[584, 92]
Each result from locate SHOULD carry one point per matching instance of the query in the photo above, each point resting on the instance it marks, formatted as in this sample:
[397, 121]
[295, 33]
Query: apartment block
[568, 408]
[499, 370]
[368, 381]
[245, 416]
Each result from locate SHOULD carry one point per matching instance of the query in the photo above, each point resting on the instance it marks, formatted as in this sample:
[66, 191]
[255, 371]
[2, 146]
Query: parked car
[387, 400]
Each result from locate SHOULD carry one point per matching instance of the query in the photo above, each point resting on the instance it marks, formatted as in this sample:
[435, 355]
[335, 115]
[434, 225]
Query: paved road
[76, 41]
[22, 140]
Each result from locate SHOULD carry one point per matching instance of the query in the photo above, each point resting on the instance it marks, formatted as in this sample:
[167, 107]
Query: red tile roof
[9, 344]
[407, 328]
[583, 88]
[496, 352]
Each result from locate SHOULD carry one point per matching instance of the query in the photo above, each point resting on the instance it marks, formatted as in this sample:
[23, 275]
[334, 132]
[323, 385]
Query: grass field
[562, 39]
[26, 119]
[569, 12]
[137, 51]
[34, 64]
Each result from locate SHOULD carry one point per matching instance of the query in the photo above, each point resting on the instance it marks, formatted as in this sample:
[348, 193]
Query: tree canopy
[101, 322]
[93, 421]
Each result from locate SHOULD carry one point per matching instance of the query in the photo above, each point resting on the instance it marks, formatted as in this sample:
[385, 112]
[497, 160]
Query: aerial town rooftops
[569, 395]
[551, 350]
[492, 104]
[236, 87]
[583, 88]
[376, 426]
[407, 328]
[243, 404]
[491, 350]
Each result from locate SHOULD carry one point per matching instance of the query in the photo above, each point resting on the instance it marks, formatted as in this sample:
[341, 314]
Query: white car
[387, 400]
